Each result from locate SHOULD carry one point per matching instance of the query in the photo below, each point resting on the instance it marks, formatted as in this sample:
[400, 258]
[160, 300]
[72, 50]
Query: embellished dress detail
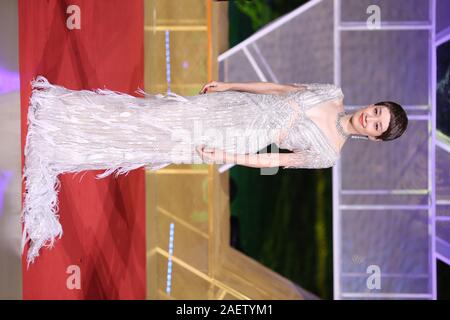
[300, 134]
[77, 130]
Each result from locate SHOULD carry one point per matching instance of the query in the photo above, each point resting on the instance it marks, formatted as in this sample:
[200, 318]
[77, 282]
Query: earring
[359, 136]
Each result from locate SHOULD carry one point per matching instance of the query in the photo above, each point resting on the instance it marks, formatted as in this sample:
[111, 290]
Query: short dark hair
[398, 122]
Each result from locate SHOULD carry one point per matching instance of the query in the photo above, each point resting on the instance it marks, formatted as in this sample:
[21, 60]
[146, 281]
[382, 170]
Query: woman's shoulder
[316, 88]
[335, 90]
[322, 87]
[332, 87]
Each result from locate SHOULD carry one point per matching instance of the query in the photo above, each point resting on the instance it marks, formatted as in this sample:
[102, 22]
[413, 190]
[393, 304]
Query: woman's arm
[261, 160]
[261, 87]
[298, 159]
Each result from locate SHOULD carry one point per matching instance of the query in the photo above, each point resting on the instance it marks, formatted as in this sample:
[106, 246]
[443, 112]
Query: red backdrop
[103, 220]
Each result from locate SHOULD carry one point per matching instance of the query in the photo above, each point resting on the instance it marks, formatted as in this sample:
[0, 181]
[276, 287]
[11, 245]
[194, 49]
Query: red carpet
[103, 220]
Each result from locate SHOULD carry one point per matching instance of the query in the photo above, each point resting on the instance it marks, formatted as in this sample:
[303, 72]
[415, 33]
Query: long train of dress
[77, 130]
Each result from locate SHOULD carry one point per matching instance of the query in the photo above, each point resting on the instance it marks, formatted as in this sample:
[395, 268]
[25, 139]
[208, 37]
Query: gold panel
[188, 241]
[191, 194]
[188, 52]
[185, 284]
[195, 197]
[175, 12]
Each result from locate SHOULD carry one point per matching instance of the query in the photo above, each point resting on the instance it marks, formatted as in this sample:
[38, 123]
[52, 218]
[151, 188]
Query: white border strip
[442, 37]
[255, 66]
[444, 146]
[337, 183]
[419, 117]
[265, 63]
[383, 207]
[385, 25]
[442, 258]
[432, 149]
[385, 191]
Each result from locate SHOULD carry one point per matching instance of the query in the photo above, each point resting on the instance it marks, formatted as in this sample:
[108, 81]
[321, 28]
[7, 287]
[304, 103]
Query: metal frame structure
[340, 27]
[439, 39]
[428, 114]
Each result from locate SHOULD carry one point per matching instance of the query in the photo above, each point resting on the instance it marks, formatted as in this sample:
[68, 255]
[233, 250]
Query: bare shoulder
[339, 103]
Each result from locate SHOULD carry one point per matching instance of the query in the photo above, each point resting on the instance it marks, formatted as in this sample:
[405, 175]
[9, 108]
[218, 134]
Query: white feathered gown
[75, 130]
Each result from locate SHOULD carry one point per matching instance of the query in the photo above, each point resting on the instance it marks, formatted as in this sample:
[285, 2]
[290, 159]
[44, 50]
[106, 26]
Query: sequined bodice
[298, 132]
[301, 102]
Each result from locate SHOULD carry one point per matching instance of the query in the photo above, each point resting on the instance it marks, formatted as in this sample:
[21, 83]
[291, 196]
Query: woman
[318, 126]
[76, 130]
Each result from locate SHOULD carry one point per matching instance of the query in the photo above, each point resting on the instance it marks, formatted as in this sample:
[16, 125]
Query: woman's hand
[215, 86]
[212, 155]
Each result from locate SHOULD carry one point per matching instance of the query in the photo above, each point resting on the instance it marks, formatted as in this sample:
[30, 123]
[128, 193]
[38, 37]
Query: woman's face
[371, 121]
